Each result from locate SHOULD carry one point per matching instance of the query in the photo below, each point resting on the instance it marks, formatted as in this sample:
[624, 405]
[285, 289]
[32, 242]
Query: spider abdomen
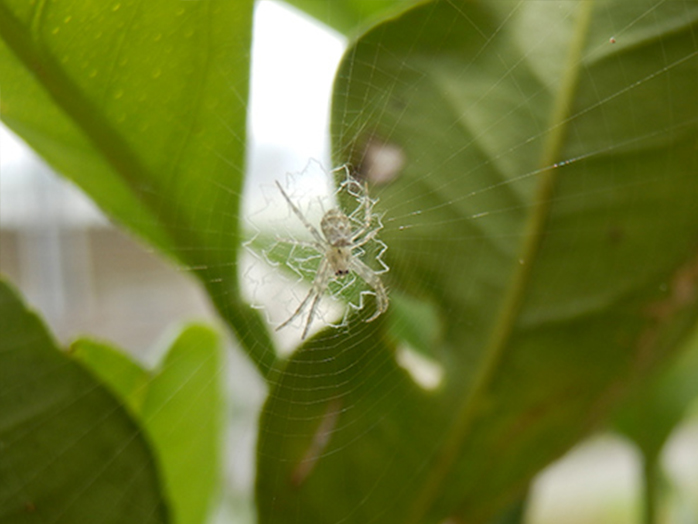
[336, 228]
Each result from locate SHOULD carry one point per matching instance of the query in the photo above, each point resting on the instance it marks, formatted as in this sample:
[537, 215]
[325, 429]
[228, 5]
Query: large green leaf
[71, 454]
[142, 103]
[543, 198]
[180, 407]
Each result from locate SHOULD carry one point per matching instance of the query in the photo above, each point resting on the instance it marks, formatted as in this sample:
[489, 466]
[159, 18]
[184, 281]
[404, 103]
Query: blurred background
[87, 277]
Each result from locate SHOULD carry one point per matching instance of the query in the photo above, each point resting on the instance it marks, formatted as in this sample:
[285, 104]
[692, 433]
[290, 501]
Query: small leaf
[180, 406]
[652, 412]
[126, 379]
[71, 454]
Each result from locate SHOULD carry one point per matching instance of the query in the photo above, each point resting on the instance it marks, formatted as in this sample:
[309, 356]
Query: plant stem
[651, 487]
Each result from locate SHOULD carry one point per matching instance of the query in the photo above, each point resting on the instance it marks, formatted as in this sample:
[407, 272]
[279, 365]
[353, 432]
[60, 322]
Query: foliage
[143, 106]
[80, 454]
[538, 145]
[549, 312]
[70, 451]
[179, 406]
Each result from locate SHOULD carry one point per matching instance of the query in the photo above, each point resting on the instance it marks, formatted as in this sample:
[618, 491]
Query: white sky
[294, 60]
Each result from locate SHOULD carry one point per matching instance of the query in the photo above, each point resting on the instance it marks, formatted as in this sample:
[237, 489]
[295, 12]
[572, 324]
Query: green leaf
[180, 406]
[515, 514]
[143, 104]
[348, 16]
[71, 453]
[543, 198]
[653, 411]
[414, 322]
[115, 369]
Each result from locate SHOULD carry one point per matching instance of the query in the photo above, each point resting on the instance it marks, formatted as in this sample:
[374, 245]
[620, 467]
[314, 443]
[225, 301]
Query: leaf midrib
[533, 236]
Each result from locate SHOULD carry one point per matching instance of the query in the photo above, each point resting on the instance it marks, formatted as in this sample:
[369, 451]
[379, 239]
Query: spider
[336, 244]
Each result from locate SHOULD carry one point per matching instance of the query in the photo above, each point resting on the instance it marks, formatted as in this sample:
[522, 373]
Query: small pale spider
[336, 245]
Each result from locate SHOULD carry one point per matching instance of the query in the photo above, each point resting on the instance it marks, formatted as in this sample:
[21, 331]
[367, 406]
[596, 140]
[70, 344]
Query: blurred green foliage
[542, 246]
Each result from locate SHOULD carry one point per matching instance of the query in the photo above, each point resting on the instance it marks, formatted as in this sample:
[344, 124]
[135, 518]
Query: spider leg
[369, 276]
[364, 240]
[317, 289]
[367, 205]
[298, 213]
[298, 311]
[343, 167]
[313, 308]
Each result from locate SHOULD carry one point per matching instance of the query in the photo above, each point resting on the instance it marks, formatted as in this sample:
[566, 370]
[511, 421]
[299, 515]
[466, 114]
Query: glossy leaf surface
[179, 406]
[71, 454]
[544, 201]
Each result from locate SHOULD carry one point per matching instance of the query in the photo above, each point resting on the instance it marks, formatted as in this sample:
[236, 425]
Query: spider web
[283, 260]
[381, 161]
[276, 280]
